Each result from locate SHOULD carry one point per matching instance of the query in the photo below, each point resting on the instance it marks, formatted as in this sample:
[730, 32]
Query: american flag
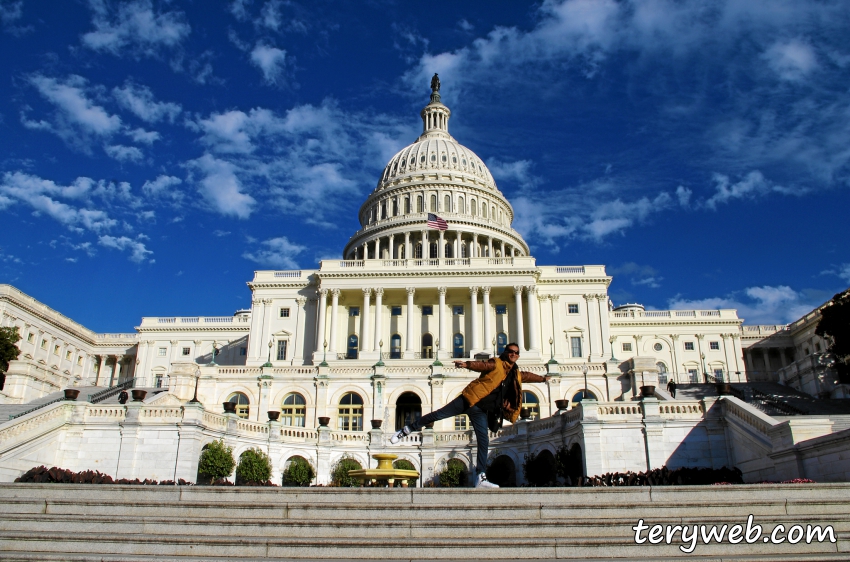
[436, 222]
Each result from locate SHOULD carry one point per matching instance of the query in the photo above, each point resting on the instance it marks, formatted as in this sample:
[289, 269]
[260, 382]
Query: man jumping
[499, 377]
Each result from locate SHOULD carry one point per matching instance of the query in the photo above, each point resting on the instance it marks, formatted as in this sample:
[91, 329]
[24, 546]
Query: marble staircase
[87, 523]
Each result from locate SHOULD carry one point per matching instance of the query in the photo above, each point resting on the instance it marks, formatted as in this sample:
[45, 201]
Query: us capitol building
[435, 272]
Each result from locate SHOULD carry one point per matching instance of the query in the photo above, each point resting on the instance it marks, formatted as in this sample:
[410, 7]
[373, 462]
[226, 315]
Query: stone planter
[562, 404]
[71, 393]
[138, 395]
[273, 416]
[324, 421]
[647, 391]
[376, 424]
[524, 413]
[723, 388]
[229, 407]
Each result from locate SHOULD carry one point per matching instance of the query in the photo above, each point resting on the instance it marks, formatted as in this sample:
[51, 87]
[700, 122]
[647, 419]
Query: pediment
[164, 399]
[282, 334]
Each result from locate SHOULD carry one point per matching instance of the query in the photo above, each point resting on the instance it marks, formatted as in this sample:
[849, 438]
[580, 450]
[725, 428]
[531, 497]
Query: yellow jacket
[493, 372]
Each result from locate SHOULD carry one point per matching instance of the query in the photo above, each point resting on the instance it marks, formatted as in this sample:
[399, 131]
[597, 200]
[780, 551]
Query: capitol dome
[435, 175]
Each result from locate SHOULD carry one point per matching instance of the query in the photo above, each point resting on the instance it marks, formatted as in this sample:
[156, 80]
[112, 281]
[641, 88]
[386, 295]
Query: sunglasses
[511, 352]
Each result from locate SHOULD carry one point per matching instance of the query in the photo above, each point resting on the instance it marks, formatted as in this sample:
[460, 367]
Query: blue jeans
[477, 416]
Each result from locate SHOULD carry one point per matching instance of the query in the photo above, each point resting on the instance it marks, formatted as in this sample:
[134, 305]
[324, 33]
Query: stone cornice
[427, 273]
[674, 322]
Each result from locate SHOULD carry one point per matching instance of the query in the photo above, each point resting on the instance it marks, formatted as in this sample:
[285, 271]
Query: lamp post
[213, 363]
[704, 370]
[324, 362]
[552, 352]
[584, 370]
[380, 362]
[269, 362]
[194, 399]
[437, 353]
[494, 347]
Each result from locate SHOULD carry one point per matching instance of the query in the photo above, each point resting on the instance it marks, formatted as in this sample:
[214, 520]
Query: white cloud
[276, 252]
[842, 271]
[74, 107]
[753, 185]
[756, 305]
[518, 171]
[41, 195]
[638, 274]
[160, 184]
[138, 252]
[792, 60]
[10, 12]
[123, 153]
[140, 101]
[143, 136]
[270, 15]
[239, 9]
[683, 194]
[134, 26]
[270, 60]
[221, 187]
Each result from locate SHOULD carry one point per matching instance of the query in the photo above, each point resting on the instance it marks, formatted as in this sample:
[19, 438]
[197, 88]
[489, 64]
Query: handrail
[787, 409]
[13, 416]
[106, 393]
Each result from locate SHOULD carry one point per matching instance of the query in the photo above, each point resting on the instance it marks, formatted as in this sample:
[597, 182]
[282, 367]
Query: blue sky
[154, 154]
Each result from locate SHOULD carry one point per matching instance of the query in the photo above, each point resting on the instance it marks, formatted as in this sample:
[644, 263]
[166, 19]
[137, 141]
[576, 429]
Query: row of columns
[373, 247]
[370, 338]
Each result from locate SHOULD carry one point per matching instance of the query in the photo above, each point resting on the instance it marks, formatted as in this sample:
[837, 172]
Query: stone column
[364, 320]
[100, 374]
[556, 321]
[475, 252]
[323, 312]
[519, 338]
[475, 344]
[675, 367]
[379, 299]
[442, 318]
[485, 305]
[503, 248]
[739, 354]
[592, 326]
[441, 246]
[604, 325]
[332, 337]
[490, 246]
[392, 246]
[425, 250]
[409, 336]
[116, 370]
[407, 251]
[267, 327]
[765, 351]
[364, 249]
[533, 318]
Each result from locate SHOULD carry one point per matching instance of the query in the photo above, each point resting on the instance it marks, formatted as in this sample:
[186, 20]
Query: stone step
[390, 548]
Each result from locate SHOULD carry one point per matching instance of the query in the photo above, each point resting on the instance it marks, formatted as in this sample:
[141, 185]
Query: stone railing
[673, 314]
[214, 420]
[681, 408]
[242, 322]
[15, 432]
[620, 409]
[239, 370]
[252, 427]
[173, 412]
[298, 433]
[343, 436]
[453, 436]
[111, 413]
[757, 420]
[427, 263]
[571, 416]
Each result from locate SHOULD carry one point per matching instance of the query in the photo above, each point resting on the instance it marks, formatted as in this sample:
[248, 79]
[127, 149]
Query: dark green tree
[216, 461]
[8, 350]
[404, 464]
[299, 472]
[835, 325]
[339, 473]
[454, 475]
[254, 467]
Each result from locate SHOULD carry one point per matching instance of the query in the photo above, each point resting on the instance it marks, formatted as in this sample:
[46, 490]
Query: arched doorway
[573, 465]
[530, 401]
[427, 346]
[408, 409]
[579, 396]
[502, 471]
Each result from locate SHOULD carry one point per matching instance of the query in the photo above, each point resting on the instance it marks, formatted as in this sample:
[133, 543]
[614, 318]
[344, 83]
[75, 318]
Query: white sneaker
[397, 436]
[482, 482]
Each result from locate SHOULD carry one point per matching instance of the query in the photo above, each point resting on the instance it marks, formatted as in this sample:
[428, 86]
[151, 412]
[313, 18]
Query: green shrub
[255, 467]
[216, 461]
[540, 470]
[339, 474]
[299, 472]
[403, 464]
[454, 475]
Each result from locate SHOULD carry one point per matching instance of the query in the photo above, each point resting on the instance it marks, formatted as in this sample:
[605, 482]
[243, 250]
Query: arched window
[447, 204]
[447, 250]
[293, 410]
[460, 207]
[433, 203]
[383, 209]
[473, 207]
[432, 247]
[427, 346]
[417, 251]
[395, 207]
[662, 372]
[493, 213]
[463, 250]
[579, 396]
[419, 208]
[395, 346]
[484, 210]
[407, 205]
[350, 414]
[501, 342]
[457, 346]
[530, 401]
[408, 409]
[351, 349]
[242, 404]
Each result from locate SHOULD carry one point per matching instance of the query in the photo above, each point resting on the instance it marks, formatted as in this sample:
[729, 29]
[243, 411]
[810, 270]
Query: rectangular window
[158, 381]
[693, 374]
[501, 309]
[572, 309]
[627, 347]
[30, 337]
[162, 351]
[817, 347]
[718, 374]
[457, 310]
[575, 346]
[689, 346]
[243, 351]
[44, 344]
[80, 360]
[354, 311]
[55, 350]
[461, 422]
[395, 311]
[186, 351]
[427, 310]
[68, 355]
[281, 350]
[714, 345]
[284, 312]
